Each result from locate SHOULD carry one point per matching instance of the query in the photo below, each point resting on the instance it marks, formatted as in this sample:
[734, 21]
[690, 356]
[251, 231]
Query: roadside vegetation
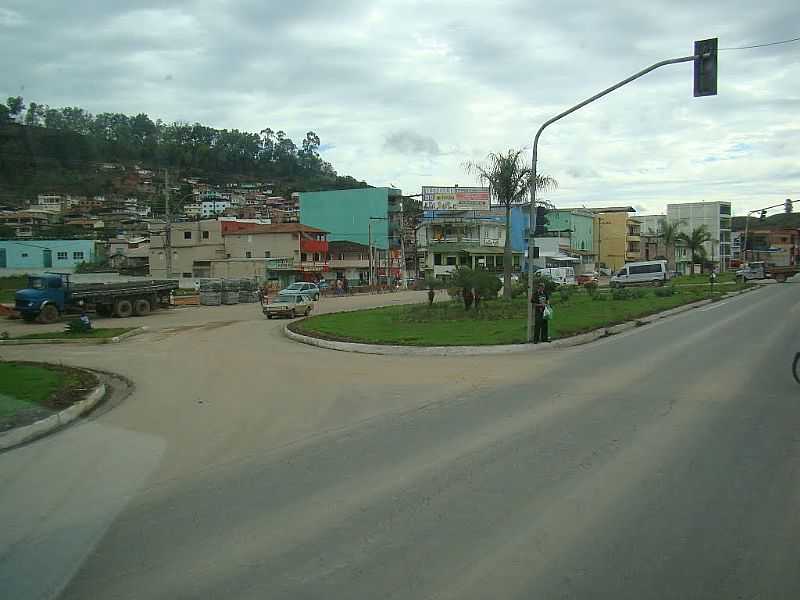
[9, 285]
[99, 333]
[496, 321]
[29, 392]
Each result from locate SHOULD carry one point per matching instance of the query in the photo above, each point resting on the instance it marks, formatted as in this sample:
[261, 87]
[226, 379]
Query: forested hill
[45, 149]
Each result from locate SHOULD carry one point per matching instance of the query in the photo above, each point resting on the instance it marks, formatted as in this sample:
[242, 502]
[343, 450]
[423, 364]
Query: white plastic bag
[547, 313]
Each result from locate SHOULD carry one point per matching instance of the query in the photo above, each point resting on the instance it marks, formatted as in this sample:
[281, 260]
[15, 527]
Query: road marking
[713, 306]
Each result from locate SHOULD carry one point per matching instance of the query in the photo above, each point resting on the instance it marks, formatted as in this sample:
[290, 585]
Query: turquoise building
[576, 224]
[347, 214]
[46, 254]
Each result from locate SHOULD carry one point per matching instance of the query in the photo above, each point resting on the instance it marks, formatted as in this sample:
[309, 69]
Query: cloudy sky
[403, 92]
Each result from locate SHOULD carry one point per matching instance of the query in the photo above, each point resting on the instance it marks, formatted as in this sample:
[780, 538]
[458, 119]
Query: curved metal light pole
[532, 216]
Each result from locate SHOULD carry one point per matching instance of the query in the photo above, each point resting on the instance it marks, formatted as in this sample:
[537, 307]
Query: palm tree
[670, 233]
[509, 180]
[694, 241]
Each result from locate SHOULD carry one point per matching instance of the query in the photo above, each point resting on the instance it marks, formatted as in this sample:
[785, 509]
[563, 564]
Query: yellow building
[618, 236]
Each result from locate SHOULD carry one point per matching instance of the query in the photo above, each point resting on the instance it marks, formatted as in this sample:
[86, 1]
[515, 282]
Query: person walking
[540, 301]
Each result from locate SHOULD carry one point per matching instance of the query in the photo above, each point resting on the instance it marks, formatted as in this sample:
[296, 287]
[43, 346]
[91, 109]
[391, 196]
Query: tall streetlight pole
[705, 71]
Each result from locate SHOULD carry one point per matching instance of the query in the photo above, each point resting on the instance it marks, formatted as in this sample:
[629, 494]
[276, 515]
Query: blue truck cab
[43, 291]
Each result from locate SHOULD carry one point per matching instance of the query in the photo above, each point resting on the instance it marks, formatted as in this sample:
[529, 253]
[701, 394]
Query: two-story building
[348, 261]
[618, 237]
[447, 241]
[191, 246]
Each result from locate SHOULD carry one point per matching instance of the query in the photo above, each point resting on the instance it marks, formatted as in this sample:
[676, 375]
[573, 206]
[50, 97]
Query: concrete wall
[279, 245]
[239, 269]
[345, 214]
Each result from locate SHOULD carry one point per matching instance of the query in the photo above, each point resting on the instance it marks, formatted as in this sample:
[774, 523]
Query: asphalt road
[661, 463]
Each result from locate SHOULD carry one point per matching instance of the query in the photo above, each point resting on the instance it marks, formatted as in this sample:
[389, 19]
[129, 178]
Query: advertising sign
[455, 198]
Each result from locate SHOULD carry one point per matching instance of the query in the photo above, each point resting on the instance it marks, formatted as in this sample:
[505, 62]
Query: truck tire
[49, 314]
[123, 308]
[141, 307]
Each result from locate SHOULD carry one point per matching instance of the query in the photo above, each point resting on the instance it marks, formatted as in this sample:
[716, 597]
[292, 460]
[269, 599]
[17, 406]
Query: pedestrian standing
[345, 286]
[540, 301]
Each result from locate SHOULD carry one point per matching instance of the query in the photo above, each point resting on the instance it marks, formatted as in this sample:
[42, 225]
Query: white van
[560, 275]
[651, 271]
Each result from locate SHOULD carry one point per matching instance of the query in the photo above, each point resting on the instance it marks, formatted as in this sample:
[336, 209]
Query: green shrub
[663, 292]
[564, 293]
[519, 289]
[638, 293]
[621, 293]
[591, 288]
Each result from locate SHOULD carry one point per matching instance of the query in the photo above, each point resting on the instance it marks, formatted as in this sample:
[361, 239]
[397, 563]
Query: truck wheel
[123, 308]
[141, 307]
[49, 314]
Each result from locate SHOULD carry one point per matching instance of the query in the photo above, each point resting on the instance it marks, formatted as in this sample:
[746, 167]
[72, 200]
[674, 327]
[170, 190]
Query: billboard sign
[455, 198]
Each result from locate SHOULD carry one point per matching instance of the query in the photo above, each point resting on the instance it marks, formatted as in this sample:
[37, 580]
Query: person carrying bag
[543, 313]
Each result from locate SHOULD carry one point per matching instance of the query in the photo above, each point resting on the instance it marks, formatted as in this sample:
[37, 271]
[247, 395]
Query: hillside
[779, 221]
[68, 150]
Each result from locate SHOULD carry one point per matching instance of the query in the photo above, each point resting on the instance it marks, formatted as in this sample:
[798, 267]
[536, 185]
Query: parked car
[637, 273]
[588, 277]
[560, 275]
[288, 306]
[301, 287]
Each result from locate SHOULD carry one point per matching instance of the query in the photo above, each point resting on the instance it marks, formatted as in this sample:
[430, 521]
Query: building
[368, 216]
[716, 216]
[50, 202]
[447, 241]
[192, 210]
[24, 222]
[575, 230]
[129, 254]
[46, 254]
[192, 244]
[286, 252]
[617, 237]
[348, 260]
[213, 207]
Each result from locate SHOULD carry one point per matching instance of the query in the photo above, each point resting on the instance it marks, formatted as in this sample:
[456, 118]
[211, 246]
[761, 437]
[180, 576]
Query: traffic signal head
[705, 68]
[788, 206]
[763, 216]
[541, 221]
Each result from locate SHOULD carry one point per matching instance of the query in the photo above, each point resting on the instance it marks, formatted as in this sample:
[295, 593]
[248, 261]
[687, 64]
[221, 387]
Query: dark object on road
[50, 295]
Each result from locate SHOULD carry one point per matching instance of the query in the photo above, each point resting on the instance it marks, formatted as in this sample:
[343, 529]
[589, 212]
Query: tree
[695, 242]
[509, 181]
[15, 106]
[670, 233]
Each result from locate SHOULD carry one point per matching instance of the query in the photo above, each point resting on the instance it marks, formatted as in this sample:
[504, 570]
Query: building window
[267, 254]
[316, 256]
[248, 254]
[205, 235]
[61, 255]
[451, 261]
[24, 255]
[463, 260]
[303, 257]
[341, 256]
[516, 260]
[186, 275]
[437, 259]
[187, 235]
[77, 256]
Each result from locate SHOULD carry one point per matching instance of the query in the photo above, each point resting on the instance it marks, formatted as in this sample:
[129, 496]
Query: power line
[789, 41]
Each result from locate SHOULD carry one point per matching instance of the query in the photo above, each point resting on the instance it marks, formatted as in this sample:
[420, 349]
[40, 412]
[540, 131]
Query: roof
[612, 209]
[278, 228]
[346, 245]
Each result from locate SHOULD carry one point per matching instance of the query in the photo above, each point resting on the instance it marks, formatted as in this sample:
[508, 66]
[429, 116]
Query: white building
[213, 207]
[192, 210]
[49, 202]
[716, 216]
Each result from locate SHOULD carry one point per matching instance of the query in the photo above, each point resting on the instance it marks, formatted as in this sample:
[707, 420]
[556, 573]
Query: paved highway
[661, 463]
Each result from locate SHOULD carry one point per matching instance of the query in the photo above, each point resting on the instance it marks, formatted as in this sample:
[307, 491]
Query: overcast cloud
[404, 92]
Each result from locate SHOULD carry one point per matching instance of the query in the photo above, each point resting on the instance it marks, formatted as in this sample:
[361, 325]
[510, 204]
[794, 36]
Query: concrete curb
[86, 341]
[575, 340]
[26, 433]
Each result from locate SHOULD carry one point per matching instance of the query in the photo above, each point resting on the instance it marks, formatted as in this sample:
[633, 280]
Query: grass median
[96, 334]
[29, 392]
[496, 322]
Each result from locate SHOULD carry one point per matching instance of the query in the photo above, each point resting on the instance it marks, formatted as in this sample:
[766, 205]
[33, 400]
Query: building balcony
[351, 263]
[311, 246]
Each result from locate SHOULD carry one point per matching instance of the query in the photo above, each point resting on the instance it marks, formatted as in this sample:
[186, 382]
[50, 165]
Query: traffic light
[788, 206]
[763, 216]
[705, 68]
[541, 221]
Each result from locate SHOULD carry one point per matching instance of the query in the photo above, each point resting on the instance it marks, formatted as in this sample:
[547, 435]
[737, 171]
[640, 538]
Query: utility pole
[168, 227]
[369, 229]
[705, 78]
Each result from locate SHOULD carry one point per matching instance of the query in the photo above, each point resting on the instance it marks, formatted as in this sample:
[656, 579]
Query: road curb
[85, 341]
[575, 340]
[26, 433]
